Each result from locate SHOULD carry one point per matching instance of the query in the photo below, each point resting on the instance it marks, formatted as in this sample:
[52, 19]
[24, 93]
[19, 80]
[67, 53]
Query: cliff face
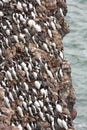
[36, 91]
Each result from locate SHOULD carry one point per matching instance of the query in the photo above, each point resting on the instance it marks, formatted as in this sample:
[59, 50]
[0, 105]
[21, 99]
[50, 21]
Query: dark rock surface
[36, 91]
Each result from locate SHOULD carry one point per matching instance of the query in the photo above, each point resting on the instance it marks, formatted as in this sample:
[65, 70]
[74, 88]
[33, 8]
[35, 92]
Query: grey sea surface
[75, 49]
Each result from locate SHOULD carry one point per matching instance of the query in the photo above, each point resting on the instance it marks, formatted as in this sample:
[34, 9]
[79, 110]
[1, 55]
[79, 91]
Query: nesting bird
[62, 124]
[59, 108]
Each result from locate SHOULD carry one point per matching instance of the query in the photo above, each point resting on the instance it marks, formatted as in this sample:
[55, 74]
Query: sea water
[75, 49]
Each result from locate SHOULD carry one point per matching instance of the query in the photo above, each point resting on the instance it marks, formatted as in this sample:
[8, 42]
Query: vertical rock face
[36, 91]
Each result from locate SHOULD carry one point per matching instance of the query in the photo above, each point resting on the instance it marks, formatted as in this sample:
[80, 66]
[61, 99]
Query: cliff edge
[36, 91]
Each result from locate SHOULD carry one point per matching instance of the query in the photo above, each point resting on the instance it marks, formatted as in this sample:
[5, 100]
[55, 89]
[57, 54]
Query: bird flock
[33, 71]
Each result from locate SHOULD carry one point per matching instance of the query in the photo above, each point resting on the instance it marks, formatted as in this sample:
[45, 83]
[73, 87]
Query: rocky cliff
[36, 91]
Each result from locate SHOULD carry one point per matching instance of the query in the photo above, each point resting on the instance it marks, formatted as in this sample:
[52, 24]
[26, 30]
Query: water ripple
[76, 52]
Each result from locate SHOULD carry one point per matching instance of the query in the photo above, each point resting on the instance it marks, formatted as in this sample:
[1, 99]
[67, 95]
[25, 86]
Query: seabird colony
[36, 91]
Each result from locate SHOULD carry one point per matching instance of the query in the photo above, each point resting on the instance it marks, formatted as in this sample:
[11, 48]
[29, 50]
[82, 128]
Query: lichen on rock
[36, 91]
